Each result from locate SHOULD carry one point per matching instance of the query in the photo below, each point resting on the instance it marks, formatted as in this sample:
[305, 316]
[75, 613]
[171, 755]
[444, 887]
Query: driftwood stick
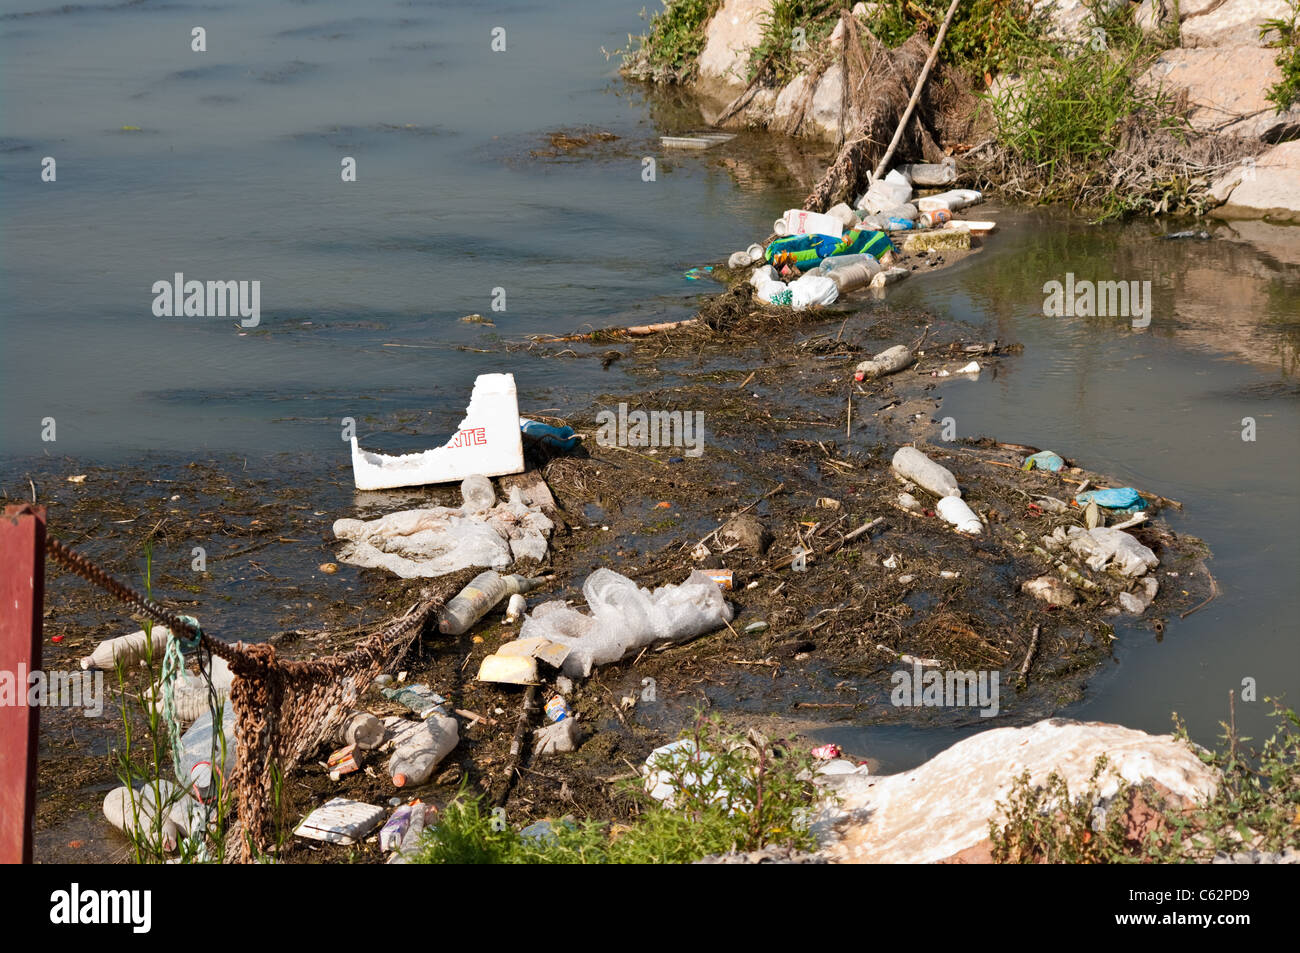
[916, 93]
[517, 743]
[1029, 656]
[1214, 593]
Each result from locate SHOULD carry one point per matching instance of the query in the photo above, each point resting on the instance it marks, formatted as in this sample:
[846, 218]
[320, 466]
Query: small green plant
[744, 794]
[1255, 807]
[1287, 89]
[674, 42]
[1046, 824]
[140, 764]
[1257, 804]
[792, 28]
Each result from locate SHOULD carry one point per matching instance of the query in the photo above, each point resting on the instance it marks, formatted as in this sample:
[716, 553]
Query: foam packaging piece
[487, 442]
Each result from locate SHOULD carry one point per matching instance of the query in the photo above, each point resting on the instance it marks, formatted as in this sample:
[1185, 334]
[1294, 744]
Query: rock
[1070, 19]
[1226, 89]
[749, 532]
[1232, 23]
[823, 115]
[945, 805]
[1051, 590]
[733, 32]
[1132, 604]
[1268, 189]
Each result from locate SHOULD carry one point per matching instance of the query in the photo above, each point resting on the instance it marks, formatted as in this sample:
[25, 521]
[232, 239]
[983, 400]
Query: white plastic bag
[809, 289]
[625, 617]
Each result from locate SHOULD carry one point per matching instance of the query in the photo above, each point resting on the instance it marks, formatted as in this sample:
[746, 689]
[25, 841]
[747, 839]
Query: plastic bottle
[128, 649]
[195, 770]
[842, 261]
[420, 747]
[930, 174]
[951, 200]
[474, 601]
[477, 493]
[953, 509]
[363, 730]
[855, 276]
[191, 693]
[934, 217]
[137, 812]
[911, 464]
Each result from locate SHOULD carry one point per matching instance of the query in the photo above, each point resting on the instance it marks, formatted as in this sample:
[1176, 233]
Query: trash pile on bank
[817, 257]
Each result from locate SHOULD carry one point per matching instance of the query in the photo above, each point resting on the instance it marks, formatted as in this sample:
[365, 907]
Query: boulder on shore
[944, 806]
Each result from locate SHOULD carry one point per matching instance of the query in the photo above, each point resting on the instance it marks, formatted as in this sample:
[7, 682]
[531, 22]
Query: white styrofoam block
[487, 442]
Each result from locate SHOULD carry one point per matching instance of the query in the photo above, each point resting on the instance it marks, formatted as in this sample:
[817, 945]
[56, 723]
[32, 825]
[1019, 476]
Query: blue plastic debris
[1044, 460]
[695, 274]
[558, 439]
[1115, 498]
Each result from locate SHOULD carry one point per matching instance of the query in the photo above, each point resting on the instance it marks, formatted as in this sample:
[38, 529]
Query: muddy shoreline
[775, 388]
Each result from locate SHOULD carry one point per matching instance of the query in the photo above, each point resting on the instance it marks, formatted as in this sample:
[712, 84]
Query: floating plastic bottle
[420, 747]
[474, 601]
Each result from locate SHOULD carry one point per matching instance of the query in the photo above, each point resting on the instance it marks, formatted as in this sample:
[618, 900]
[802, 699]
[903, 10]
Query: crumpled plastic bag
[1103, 546]
[440, 540]
[808, 290]
[625, 617]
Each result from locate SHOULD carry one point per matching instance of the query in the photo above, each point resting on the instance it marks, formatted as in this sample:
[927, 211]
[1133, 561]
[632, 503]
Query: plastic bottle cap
[399, 779]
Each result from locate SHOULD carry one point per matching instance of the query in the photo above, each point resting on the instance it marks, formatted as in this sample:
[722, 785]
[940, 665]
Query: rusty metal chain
[285, 708]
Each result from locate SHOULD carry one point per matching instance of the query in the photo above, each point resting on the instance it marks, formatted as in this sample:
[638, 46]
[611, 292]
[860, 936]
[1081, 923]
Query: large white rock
[1226, 89]
[733, 32]
[1069, 19]
[1270, 188]
[1234, 23]
[945, 805]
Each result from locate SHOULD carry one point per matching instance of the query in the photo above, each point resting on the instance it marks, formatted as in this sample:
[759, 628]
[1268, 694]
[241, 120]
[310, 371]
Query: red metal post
[22, 601]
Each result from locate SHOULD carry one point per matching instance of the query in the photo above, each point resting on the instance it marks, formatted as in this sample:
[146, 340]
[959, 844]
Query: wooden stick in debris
[916, 93]
[517, 743]
[636, 331]
[1214, 592]
[1029, 656]
[787, 561]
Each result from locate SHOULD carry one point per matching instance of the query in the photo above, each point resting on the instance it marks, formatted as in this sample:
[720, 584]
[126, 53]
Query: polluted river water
[225, 165]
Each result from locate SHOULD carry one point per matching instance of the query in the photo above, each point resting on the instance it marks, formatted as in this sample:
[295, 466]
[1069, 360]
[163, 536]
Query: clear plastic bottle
[420, 748]
[128, 649]
[195, 770]
[841, 261]
[475, 601]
